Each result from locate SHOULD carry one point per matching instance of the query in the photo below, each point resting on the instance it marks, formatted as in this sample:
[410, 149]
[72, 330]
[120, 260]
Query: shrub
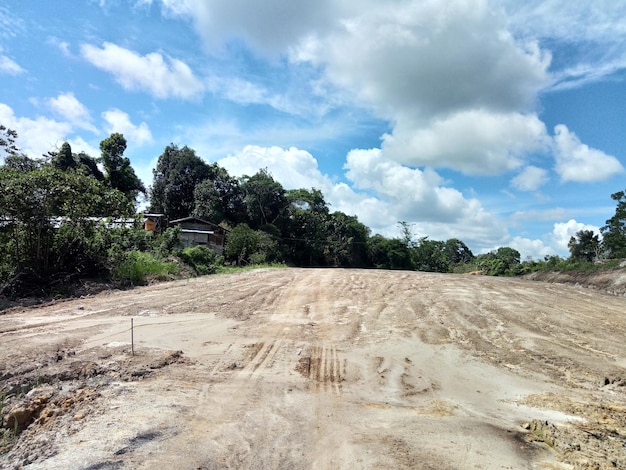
[202, 259]
[137, 266]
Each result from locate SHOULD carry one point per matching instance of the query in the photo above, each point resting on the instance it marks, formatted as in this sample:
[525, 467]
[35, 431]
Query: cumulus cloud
[430, 58]
[36, 136]
[293, 168]
[119, 121]
[578, 162]
[68, 107]
[453, 81]
[535, 249]
[530, 178]
[160, 75]
[419, 196]
[562, 233]
[472, 141]
[271, 26]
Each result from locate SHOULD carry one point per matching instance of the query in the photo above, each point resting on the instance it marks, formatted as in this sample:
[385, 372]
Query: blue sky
[497, 122]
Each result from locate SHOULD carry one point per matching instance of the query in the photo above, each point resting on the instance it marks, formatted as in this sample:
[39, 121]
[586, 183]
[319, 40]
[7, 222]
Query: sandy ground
[328, 369]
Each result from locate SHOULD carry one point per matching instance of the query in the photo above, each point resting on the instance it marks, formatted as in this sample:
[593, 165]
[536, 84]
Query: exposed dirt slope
[299, 368]
[611, 281]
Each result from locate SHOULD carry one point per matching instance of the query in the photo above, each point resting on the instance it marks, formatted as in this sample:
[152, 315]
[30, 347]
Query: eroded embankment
[611, 281]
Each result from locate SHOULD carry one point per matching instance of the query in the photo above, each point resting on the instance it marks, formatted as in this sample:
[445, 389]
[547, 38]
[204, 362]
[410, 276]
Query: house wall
[215, 240]
[193, 239]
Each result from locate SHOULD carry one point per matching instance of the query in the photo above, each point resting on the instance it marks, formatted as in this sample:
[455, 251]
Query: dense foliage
[69, 215]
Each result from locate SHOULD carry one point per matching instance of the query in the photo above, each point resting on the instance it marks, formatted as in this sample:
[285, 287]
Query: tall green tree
[64, 159]
[457, 252]
[306, 229]
[35, 204]
[585, 246]
[614, 232]
[119, 172]
[219, 198]
[8, 147]
[265, 199]
[178, 172]
[385, 253]
[504, 261]
[347, 241]
[430, 256]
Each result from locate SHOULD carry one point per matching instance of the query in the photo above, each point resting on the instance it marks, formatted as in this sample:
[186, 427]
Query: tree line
[68, 215]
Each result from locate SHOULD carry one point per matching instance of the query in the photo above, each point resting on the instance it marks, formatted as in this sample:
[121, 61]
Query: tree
[64, 159]
[457, 252]
[178, 172]
[219, 198]
[306, 227]
[347, 241]
[585, 246]
[242, 243]
[504, 261]
[119, 173]
[7, 142]
[429, 256]
[265, 199]
[614, 232]
[35, 206]
[407, 234]
[387, 253]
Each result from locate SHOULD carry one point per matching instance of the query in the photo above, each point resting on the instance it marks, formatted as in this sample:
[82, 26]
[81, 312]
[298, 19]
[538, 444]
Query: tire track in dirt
[324, 369]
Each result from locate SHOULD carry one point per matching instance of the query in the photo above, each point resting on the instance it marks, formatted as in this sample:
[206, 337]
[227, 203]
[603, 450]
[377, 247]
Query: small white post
[132, 338]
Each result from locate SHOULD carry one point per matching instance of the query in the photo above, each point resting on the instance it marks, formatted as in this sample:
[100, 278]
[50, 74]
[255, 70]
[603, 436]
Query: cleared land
[324, 369]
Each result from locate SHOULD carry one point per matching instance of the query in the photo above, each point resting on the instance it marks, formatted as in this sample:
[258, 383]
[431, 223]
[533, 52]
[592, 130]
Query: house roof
[196, 219]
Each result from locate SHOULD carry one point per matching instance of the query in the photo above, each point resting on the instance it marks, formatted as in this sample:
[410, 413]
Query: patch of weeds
[137, 266]
[7, 436]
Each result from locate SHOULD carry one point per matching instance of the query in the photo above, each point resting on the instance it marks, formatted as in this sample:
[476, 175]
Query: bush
[137, 266]
[168, 242]
[202, 259]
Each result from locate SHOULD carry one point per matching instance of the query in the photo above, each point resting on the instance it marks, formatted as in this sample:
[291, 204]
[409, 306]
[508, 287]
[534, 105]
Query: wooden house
[195, 231]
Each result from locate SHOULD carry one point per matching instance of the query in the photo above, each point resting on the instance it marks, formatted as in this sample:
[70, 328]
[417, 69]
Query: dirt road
[328, 369]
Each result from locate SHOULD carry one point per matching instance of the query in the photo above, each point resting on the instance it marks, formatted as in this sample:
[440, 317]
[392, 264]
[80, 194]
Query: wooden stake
[132, 338]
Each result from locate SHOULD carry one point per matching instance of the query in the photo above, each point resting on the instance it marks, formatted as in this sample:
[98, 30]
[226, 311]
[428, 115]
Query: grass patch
[202, 259]
[249, 267]
[138, 266]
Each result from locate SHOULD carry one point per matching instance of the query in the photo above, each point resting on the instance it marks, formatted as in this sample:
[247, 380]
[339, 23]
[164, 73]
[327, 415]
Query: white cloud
[9, 66]
[472, 141]
[293, 168]
[68, 107]
[119, 121]
[271, 26]
[449, 76]
[36, 136]
[535, 249]
[431, 58]
[159, 75]
[578, 162]
[593, 26]
[79, 144]
[562, 233]
[62, 46]
[11, 25]
[419, 197]
[530, 178]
